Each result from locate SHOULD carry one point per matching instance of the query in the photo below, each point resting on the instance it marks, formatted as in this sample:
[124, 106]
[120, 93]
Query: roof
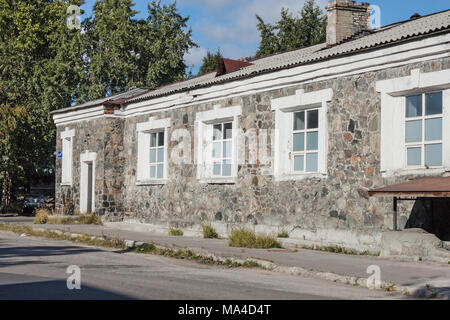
[388, 35]
[117, 98]
[424, 187]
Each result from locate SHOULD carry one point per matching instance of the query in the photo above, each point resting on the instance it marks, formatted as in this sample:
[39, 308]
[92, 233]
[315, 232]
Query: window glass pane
[414, 106]
[153, 140]
[313, 119]
[217, 150]
[216, 168]
[433, 103]
[433, 129]
[414, 131]
[228, 131]
[299, 121]
[152, 155]
[414, 156]
[153, 172]
[226, 168]
[161, 155]
[227, 151]
[313, 141]
[299, 163]
[312, 162]
[160, 171]
[299, 142]
[217, 132]
[160, 139]
[433, 155]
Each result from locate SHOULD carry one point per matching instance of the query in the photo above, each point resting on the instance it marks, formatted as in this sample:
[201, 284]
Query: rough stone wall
[105, 137]
[338, 202]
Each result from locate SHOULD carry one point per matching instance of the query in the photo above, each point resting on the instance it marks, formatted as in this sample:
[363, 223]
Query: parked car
[33, 202]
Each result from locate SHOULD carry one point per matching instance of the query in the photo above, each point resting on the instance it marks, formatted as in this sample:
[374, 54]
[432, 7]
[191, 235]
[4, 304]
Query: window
[423, 136]
[157, 155]
[152, 160]
[301, 135]
[414, 120]
[216, 144]
[306, 141]
[67, 156]
[222, 151]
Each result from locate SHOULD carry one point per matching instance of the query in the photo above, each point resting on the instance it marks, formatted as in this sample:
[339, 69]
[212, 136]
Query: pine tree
[292, 32]
[210, 62]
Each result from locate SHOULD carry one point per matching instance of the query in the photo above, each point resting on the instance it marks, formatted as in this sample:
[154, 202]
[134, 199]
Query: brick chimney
[345, 19]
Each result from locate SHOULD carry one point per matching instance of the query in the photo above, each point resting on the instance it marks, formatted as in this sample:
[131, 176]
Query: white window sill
[66, 184]
[218, 180]
[152, 182]
[415, 171]
[299, 176]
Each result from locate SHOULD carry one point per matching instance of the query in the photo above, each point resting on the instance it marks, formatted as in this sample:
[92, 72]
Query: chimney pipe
[345, 19]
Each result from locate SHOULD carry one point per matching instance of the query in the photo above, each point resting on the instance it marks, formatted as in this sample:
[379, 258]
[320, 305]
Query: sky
[231, 24]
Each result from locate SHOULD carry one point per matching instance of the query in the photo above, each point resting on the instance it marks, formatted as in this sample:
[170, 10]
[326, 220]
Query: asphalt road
[33, 268]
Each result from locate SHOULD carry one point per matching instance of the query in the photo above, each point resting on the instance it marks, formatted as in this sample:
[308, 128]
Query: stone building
[293, 141]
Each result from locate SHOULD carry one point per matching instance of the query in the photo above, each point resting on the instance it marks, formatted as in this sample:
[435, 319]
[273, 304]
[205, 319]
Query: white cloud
[195, 56]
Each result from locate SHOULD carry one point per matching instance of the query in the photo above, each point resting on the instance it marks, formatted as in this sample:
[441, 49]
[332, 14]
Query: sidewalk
[413, 275]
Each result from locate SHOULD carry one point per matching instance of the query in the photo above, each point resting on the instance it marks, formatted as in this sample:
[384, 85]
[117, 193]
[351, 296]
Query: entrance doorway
[87, 182]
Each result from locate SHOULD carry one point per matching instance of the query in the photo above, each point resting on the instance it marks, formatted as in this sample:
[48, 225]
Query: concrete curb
[429, 292]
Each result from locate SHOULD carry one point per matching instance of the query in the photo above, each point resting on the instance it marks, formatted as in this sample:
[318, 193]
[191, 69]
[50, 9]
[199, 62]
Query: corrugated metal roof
[433, 186]
[385, 35]
[133, 93]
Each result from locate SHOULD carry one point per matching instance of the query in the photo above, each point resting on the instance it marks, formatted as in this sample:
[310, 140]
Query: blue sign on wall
[59, 155]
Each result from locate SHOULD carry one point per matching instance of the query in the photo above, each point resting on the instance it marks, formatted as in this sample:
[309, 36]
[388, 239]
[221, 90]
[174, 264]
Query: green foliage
[283, 234]
[209, 232]
[45, 66]
[210, 62]
[248, 239]
[175, 232]
[292, 32]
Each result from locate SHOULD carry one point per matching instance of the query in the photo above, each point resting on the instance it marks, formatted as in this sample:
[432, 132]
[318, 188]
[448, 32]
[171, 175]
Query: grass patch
[82, 238]
[209, 232]
[244, 238]
[41, 216]
[341, 250]
[283, 234]
[175, 232]
[186, 254]
[89, 218]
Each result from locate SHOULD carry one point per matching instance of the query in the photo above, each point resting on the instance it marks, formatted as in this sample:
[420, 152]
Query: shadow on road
[55, 290]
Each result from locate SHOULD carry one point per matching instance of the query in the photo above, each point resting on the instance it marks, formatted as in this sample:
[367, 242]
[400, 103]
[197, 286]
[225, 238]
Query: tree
[292, 32]
[40, 68]
[124, 52]
[210, 62]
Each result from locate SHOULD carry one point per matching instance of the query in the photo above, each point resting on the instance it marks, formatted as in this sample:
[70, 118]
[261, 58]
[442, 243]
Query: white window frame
[204, 124]
[283, 154]
[144, 131]
[222, 141]
[67, 157]
[423, 143]
[393, 120]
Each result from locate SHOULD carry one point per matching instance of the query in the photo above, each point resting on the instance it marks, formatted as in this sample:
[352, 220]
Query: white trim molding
[393, 117]
[87, 158]
[284, 109]
[204, 122]
[67, 156]
[144, 131]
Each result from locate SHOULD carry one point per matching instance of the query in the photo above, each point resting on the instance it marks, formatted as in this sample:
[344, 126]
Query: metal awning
[433, 187]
